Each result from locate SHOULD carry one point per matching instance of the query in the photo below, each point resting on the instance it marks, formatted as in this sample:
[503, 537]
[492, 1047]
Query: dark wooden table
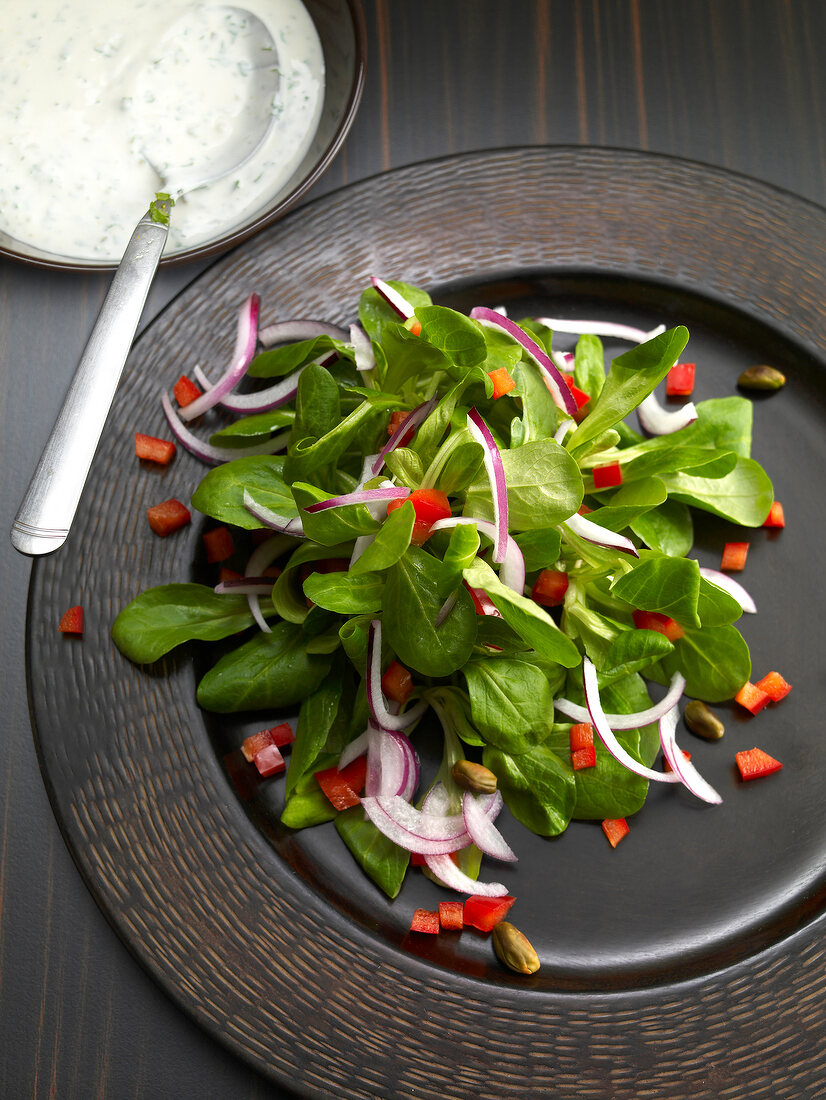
[734, 83]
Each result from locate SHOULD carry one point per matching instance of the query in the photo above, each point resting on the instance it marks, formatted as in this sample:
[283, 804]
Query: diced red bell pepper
[425, 920]
[417, 859]
[72, 621]
[584, 758]
[430, 505]
[219, 544]
[397, 683]
[754, 763]
[581, 736]
[550, 587]
[168, 517]
[451, 915]
[655, 620]
[269, 761]
[185, 391]
[413, 325]
[279, 736]
[485, 913]
[615, 828]
[607, 476]
[774, 686]
[342, 788]
[734, 556]
[396, 420]
[752, 697]
[583, 510]
[152, 449]
[775, 518]
[482, 602]
[282, 734]
[229, 575]
[680, 380]
[580, 396]
[502, 382]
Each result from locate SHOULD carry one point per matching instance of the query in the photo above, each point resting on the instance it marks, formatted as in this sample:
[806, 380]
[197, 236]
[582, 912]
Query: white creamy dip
[86, 85]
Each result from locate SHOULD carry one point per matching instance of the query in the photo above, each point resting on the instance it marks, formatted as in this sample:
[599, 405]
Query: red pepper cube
[606, 477]
[580, 396]
[185, 391]
[255, 743]
[752, 698]
[417, 859]
[72, 621]
[581, 736]
[342, 787]
[229, 575]
[396, 420]
[451, 915]
[168, 517]
[502, 382]
[754, 764]
[583, 510]
[680, 380]
[430, 505]
[219, 544]
[774, 686]
[734, 556]
[482, 602]
[282, 734]
[425, 920]
[269, 761]
[654, 620]
[775, 518]
[550, 587]
[413, 326]
[397, 683]
[485, 913]
[151, 449]
[584, 758]
[616, 829]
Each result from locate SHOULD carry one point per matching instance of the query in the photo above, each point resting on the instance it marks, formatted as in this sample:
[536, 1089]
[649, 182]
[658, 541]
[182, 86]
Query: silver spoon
[48, 508]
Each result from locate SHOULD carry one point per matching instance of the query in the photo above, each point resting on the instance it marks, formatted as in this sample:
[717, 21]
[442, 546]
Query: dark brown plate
[688, 962]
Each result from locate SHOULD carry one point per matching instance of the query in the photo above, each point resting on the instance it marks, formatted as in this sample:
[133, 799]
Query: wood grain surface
[734, 83]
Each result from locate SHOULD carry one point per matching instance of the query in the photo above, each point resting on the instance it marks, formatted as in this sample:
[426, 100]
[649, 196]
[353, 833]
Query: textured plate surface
[689, 961]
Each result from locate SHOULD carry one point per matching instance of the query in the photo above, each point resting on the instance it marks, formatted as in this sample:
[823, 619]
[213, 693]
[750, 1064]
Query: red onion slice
[450, 875]
[357, 747]
[245, 586]
[245, 342]
[263, 556]
[483, 832]
[290, 332]
[498, 486]
[411, 421]
[395, 300]
[601, 328]
[360, 496]
[512, 572]
[365, 356]
[562, 431]
[659, 421]
[629, 721]
[427, 834]
[554, 380]
[681, 767]
[600, 536]
[375, 698]
[285, 525]
[446, 609]
[733, 587]
[208, 452]
[564, 360]
[600, 723]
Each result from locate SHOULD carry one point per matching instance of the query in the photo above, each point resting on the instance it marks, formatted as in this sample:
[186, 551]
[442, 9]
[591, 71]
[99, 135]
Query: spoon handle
[43, 520]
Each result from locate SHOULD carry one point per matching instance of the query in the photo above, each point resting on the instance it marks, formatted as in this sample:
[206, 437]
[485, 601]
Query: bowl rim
[234, 237]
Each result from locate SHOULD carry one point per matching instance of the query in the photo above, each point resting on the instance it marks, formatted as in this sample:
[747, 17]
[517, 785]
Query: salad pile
[448, 517]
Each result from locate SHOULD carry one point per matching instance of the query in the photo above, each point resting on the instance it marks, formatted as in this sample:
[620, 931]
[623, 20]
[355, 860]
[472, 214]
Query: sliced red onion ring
[360, 496]
[263, 556]
[600, 723]
[601, 328]
[359, 546]
[730, 585]
[450, 875]
[412, 420]
[392, 765]
[498, 486]
[245, 343]
[365, 356]
[483, 832]
[437, 800]
[554, 380]
[285, 525]
[600, 536]
[290, 332]
[273, 397]
[395, 300]
[564, 360]
[512, 572]
[630, 721]
[659, 421]
[357, 747]
[246, 586]
[446, 609]
[428, 834]
[562, 431]
[207, 452]
[681, 767]
[375, 698]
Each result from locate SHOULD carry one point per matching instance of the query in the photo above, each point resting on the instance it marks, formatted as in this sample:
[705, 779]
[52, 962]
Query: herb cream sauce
[87, 84]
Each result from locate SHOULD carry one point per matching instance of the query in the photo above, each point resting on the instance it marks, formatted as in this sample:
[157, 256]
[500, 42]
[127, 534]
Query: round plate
[685, 962]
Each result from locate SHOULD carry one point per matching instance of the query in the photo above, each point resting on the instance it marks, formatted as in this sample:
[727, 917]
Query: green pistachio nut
[761, 377]
[701, 720]
[474, 777]
[514, 949]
